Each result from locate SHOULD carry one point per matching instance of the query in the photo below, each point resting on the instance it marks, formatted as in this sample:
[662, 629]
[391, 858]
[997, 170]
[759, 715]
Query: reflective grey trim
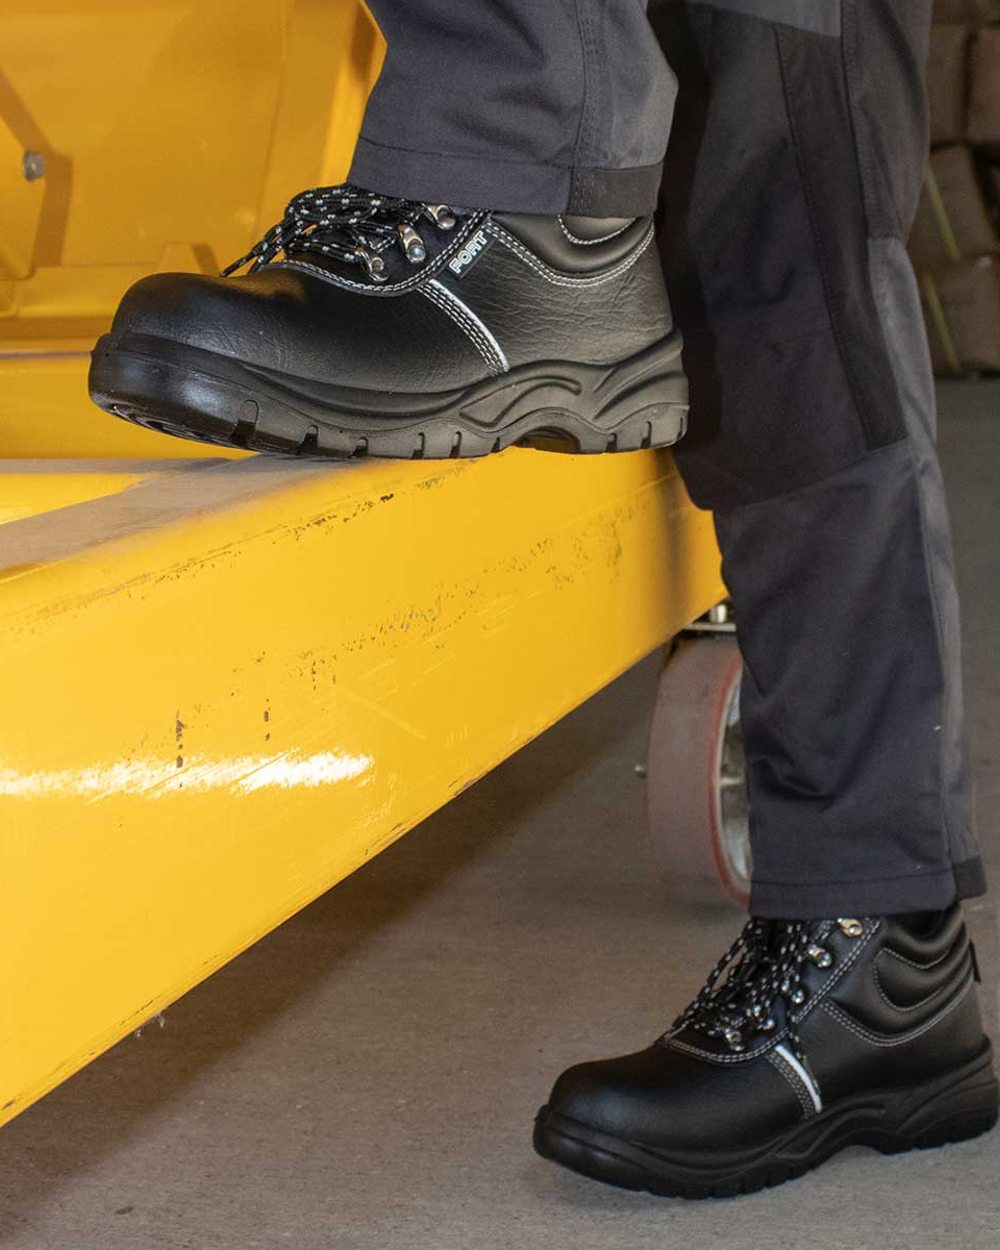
[807, 1079]
[820, 16]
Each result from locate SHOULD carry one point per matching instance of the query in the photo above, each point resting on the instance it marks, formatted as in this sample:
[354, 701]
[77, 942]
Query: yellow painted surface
[230, 681]
[173, 134]
[33, 488]
[229, 686]
[45, 411]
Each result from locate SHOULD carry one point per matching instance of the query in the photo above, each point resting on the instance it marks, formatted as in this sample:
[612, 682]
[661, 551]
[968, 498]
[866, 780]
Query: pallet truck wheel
[696, 774]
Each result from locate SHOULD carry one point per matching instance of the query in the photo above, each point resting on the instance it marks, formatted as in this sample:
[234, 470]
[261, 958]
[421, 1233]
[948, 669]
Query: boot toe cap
[216, 314]
[667, 1099]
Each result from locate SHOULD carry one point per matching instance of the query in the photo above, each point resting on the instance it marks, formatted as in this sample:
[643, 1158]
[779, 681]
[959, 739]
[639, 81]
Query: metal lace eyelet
[851, 927]
[798, 996]
[374, 265]
[412, 244]
[768, 1025]
[441, 215]
[820, 956]
[734, 1038]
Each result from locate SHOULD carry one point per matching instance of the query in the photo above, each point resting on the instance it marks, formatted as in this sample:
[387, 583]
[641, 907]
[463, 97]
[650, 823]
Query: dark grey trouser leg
[813, 443]
[532, 106]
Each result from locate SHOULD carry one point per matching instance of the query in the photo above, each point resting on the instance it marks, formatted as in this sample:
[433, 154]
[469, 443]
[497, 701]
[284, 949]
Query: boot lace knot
[350, 225]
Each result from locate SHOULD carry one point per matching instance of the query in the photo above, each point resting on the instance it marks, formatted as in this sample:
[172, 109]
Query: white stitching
[550, 275]
[590, 242]
[923, 967]
[475, 321]
[470, 329]
[873, 1039]
[809, 1007]
[793, 1079]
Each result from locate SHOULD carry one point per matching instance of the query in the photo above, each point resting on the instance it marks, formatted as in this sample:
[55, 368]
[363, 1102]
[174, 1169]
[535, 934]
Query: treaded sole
[171, 387]
[954, 1107]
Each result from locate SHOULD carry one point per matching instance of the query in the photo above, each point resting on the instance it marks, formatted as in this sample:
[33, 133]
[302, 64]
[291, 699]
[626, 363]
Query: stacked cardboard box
[955, 241]
[970, 12]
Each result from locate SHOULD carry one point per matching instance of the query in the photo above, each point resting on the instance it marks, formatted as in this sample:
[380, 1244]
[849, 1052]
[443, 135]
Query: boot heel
[961, 1105]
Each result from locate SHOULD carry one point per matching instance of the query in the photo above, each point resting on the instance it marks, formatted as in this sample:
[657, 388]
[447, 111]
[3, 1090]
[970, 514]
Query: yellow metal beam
[230, 684]
[45, 412]
[35, 487]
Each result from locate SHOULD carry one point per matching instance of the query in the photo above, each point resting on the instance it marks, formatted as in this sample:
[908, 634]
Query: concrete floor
[365, 1078]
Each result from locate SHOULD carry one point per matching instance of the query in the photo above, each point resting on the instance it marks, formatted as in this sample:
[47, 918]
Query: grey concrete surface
[365, 1078]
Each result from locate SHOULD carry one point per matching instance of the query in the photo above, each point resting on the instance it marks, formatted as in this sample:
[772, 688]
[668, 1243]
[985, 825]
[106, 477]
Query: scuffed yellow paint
[231, 684]
[228, 683]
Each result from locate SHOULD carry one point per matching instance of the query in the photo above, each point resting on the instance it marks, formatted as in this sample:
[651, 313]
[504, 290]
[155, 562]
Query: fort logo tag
[470, 253]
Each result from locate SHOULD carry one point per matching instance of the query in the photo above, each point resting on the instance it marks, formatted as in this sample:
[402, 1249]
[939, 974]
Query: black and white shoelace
[351, 225]
[764, 965]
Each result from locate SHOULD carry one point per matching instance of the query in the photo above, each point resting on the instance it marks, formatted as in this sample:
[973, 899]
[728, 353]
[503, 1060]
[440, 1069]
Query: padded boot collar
[576, 245]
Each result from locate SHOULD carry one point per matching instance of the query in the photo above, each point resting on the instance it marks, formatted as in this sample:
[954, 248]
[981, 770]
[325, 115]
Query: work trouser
[790, 185]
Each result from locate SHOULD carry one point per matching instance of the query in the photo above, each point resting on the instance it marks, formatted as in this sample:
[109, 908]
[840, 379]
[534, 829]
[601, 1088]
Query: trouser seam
[580, 188]
[884, 449]
[821, 253]
[834, 882]
[479, 157]
[849, 37]
[933, 592]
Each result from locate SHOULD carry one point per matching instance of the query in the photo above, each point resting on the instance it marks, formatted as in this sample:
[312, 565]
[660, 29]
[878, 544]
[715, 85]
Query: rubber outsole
[957, 1106]
[176, 389]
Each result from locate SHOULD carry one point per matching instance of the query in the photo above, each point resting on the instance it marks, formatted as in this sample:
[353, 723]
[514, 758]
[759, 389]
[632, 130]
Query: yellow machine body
[167, 135]
[232, 680]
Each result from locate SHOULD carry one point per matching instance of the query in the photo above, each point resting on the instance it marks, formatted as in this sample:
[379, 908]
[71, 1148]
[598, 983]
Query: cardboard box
[984, 89]
[971, 12]
[953, 220]
[962, 309]
[947, 82]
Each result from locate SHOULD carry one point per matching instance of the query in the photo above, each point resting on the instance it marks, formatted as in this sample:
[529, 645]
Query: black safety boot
[376, 326]
[808, 1036]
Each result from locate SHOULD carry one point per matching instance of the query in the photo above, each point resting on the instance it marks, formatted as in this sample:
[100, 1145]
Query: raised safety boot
[366, 325]
[808, 1036]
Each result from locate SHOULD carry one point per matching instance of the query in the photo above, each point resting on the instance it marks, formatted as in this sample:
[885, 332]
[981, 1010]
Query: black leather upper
[494, 293]
[896, 1007]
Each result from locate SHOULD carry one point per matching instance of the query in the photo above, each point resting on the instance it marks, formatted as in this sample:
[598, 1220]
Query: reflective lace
[350, 225]
[763, 967]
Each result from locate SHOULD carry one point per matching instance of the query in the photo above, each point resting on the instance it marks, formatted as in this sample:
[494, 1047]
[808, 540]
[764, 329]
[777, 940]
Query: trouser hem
[933, 891]
[510, 186]
[970, 878]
